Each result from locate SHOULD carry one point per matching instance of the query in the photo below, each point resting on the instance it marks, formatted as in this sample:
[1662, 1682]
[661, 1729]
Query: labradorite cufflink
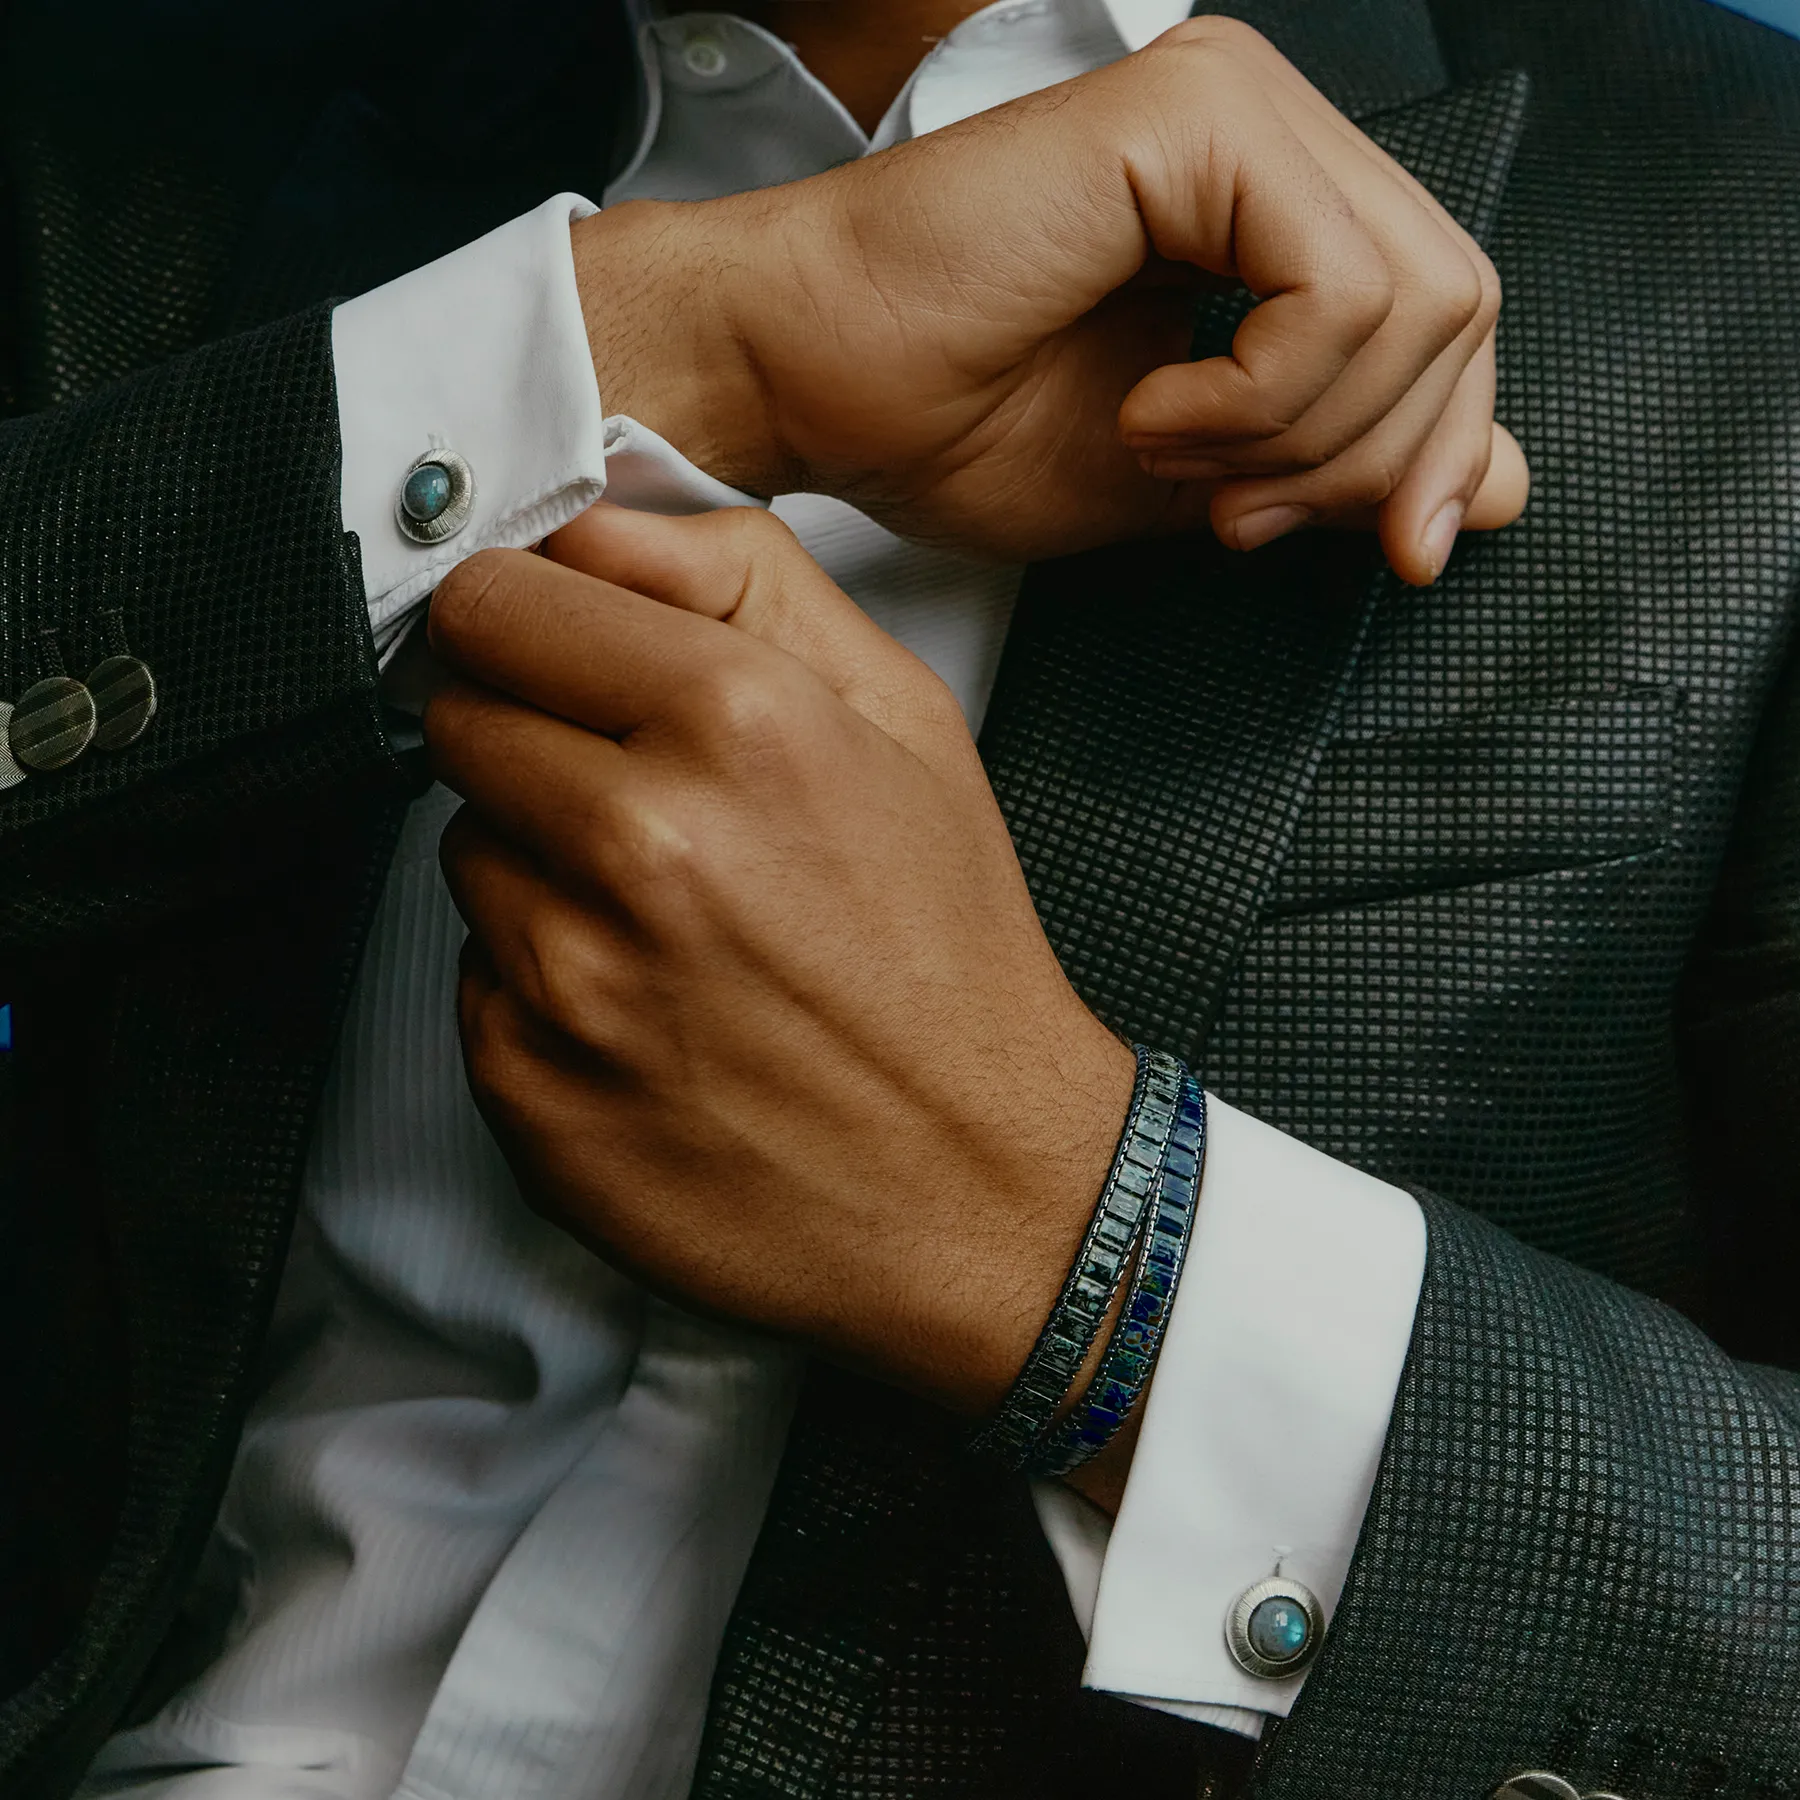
[437, 494]
[1274, 1628]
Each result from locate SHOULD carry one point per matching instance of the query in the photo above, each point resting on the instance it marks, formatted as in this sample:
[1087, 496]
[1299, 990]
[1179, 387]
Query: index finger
[571, 644]
[748, 569]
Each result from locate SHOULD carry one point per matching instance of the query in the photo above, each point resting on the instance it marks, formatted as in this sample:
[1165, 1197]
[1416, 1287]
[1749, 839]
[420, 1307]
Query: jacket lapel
[1159, 716]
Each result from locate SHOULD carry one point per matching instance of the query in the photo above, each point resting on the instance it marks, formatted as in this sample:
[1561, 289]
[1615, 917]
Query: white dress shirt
[492, 1508]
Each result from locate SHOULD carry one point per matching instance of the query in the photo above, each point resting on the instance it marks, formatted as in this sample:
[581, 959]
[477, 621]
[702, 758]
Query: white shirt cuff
[485, 352]
[1263, 1428]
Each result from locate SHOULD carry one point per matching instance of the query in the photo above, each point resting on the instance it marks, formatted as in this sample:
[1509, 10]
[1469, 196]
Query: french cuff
[1262, 1431]
[483, 357]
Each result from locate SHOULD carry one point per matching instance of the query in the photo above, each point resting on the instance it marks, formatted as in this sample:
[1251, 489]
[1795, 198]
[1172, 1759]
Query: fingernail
[1440, 535]
[1254, 529]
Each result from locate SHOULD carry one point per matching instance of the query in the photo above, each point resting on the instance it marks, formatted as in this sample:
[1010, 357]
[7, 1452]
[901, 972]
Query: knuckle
[470, 592]
[1378, 477]
[1367, 296]
[1271, 419]
[1302, 451]
[562, 976]
[489, 1051]
[1456, 293]
[747, 534]
[737, 702]
[749, 548]
[1491, 295]
[1354, 482]
[649, 857]
[1261, 403]
[1268, 425]
[938, 703]
[1220, 32]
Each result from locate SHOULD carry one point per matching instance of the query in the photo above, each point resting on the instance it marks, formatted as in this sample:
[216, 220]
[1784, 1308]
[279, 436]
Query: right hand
[980, 337]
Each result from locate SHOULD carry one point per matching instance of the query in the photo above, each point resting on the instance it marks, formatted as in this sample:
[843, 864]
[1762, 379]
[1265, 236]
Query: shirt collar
[673, 170]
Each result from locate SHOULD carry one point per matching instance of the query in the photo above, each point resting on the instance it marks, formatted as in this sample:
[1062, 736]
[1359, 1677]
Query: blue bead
[427, 492]
[1278, 1630]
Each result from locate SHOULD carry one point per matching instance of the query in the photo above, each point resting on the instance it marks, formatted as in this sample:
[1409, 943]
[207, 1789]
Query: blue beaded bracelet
[1137, 1338]
[1132, 1185]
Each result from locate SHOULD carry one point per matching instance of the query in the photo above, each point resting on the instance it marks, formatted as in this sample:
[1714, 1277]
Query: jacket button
[52, 724]
[124, 701]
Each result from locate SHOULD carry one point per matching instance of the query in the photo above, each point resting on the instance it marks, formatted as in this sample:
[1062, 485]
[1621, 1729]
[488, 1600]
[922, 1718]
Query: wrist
[658, 284]
[991, 1298]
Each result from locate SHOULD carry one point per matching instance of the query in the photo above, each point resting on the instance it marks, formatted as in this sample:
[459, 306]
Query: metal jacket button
[124, 694]
[52, 724]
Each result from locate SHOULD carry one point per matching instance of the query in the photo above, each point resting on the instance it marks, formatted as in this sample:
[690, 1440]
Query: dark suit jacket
[1493, 890]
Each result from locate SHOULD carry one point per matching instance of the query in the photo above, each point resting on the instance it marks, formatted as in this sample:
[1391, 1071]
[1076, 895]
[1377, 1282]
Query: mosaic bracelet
[1056, 1359]
[1136, 1339]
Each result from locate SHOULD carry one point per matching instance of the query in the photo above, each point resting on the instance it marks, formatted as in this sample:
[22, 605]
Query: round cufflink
[437, 494]
[1274, 1628]
[124, 694]
[705, 56]
[51, 725]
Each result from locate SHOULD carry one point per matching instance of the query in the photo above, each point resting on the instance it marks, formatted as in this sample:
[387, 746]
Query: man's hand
[755, 998]
[981, 336]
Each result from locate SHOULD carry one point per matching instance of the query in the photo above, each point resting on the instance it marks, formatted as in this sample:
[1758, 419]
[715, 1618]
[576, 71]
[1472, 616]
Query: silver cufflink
[1274, 1627]
[437, 494]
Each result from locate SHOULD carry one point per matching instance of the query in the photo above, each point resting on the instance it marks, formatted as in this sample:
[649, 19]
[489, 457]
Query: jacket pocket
[1586, 779]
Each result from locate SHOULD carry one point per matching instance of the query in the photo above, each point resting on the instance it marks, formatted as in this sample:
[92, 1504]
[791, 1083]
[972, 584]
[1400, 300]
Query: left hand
[755, 998]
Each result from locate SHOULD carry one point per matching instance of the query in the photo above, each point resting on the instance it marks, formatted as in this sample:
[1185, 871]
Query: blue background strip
[1784, 15]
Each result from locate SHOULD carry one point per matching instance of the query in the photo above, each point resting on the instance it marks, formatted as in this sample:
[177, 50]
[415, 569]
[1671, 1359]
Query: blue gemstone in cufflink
[1278, 1630]
[1274, 1628]
[436, 497]
[426, 493]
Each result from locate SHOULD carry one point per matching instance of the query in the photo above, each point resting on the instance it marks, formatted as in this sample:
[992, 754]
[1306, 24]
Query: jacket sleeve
[1579, 1556]
[190, 516]
[1582, 1554]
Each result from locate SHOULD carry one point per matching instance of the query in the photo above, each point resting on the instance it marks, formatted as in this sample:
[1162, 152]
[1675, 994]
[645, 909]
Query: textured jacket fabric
[1493, 890]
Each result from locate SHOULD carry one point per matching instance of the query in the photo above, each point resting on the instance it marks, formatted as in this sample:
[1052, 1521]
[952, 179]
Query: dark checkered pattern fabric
[263, 701]
[1579, 1555]
[1493, 890]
